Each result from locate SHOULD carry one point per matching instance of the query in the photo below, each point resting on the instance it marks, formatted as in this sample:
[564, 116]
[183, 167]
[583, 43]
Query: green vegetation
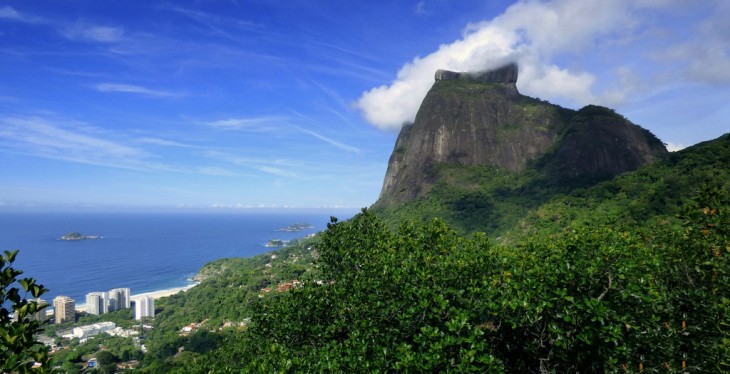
[626, 275]
[516, 205]
[77, 236]
[108, 350]
[424, 298]
[19, 349]
[471, 199]
[222, 304]
[651, 196]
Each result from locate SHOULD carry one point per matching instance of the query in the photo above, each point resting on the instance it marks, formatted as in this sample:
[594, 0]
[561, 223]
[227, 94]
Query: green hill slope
[632, 271]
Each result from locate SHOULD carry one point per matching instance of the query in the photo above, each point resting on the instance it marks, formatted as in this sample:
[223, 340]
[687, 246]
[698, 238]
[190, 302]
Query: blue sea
[144, 252]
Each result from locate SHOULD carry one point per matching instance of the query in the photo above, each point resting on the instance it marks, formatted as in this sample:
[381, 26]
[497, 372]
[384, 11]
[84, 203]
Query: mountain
[478, 144]
[611, 255]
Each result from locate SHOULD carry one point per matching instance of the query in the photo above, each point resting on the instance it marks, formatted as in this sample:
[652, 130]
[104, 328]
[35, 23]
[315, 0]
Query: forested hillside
[629, 275]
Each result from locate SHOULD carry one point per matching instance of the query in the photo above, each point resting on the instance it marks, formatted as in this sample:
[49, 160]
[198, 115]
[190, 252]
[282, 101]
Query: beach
[162, 293]
[153, 294]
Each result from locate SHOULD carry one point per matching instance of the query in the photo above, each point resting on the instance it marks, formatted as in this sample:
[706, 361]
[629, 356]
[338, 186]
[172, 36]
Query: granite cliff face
[600, 144]
[480, 119]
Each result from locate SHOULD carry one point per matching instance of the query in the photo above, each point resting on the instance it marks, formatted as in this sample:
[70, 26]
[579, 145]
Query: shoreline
[162, 293]
[158, 294]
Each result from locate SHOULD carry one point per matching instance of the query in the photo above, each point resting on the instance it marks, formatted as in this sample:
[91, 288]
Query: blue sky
[243, 105]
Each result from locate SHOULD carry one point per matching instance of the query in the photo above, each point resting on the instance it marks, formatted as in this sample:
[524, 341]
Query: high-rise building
[119, 299]
[40, 315]
[64, 309]
[144, 307]
[96, 303]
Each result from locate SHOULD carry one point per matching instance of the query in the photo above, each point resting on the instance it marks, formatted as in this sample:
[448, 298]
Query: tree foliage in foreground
[424, 299]
[19, 349]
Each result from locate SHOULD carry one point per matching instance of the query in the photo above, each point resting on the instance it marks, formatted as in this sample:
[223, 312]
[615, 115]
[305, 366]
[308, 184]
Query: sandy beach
[154, 294]
[161, 293]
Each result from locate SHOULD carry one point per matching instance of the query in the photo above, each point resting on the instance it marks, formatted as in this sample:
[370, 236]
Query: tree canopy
[424, 298]
[19, 349]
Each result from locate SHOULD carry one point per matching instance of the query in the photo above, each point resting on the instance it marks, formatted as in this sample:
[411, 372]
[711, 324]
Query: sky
[254, 104]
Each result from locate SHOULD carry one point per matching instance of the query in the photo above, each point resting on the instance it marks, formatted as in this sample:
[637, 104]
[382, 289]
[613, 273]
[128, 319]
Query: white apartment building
[91, 330]
[96, 303]
[144, 307]
[119, 299]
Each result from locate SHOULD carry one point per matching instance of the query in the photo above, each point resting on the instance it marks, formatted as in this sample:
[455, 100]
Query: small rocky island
[297, 227]
[277, 243]
[78, 236]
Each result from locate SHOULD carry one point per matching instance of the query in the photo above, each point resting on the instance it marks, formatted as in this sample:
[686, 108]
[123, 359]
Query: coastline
[153, 294]
[162, 293]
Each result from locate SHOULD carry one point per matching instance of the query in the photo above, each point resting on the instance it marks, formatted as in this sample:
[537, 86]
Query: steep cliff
[481, 120]
[471, 119]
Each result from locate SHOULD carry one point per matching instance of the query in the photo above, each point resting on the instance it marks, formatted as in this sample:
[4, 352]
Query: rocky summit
[481, 119]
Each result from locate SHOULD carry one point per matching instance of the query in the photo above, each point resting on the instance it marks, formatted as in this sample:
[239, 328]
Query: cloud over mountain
[549, 40]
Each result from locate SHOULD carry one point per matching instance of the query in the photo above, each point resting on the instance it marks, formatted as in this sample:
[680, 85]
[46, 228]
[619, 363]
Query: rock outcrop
[474, 119]
[505, 74]
[600, 144]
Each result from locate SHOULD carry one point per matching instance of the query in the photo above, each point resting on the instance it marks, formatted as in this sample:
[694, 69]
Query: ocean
[143, 252]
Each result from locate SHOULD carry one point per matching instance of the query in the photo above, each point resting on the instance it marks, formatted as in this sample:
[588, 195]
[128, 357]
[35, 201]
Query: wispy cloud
[94, 33]
[276, 171]
[43, 138]
[133, 89]
[247, 122]
[280, 168]
[327, 140]
[10, 14]
[421, 8]
[164, 142]
[210, 20]
[216, 171]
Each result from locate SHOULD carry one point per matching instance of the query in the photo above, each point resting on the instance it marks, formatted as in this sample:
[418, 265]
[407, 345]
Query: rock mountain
[480, 119]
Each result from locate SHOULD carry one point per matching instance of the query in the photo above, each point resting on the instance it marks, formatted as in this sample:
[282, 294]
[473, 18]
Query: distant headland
[78, 236]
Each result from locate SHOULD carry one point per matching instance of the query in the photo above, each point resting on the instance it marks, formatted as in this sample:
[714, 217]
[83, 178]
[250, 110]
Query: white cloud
[673, 147]
[279, 172]
[43, 138]
[246, 122]
[545, 38]
[421, 8]
[329, 141]
[94, 33]
[273, 167]
[128, 88]
[216, 171]
[9, 13]
[707, 54]
[164, 142]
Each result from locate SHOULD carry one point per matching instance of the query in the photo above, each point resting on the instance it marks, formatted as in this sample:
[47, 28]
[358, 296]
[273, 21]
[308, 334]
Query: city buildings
[119, 299]
[103, 302]
[64, 309]
[144, 307]
[96, 303]
[91, 330]
[41, 315]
